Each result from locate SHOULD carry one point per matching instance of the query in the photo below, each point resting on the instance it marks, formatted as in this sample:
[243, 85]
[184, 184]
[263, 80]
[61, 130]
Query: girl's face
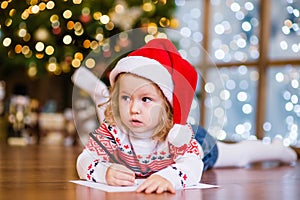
[140, 103]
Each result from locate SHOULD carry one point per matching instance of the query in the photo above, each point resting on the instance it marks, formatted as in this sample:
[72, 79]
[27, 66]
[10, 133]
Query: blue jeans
[208, 144]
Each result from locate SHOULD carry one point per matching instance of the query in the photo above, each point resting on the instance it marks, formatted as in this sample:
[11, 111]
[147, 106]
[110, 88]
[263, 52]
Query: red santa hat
[160, 62]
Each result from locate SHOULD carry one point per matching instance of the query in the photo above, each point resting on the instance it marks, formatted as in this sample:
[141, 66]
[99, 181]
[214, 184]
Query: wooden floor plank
[44, 172]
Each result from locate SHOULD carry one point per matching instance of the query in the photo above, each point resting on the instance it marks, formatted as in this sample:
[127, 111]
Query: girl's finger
[120, 175]
[161, 190]
[122, 182]
[171, 189]
[122, 169]
[143, 186]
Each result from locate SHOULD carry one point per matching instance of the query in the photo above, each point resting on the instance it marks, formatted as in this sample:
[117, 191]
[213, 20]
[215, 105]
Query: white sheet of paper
[108, 188]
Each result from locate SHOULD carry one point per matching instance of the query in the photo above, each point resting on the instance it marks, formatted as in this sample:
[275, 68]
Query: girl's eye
[125, 98]
[146, 99]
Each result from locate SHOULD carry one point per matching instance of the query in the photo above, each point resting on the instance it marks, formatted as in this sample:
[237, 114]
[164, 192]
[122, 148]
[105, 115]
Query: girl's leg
[245, 152]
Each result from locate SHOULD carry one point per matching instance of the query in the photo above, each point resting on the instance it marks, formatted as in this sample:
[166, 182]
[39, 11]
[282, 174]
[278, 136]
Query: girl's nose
[135, 108]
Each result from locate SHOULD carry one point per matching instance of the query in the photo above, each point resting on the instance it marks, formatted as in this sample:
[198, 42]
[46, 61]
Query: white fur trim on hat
[180, 135]
[148, 68]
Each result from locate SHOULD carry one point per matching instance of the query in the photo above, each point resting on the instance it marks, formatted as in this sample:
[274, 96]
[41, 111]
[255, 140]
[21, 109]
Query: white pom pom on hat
[160, 62]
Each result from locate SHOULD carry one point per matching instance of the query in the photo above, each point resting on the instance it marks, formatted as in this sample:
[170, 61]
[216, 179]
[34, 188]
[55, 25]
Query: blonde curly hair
[112, 113]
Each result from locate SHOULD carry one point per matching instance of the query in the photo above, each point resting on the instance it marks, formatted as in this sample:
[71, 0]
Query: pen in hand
[116, 174]
[120, 175]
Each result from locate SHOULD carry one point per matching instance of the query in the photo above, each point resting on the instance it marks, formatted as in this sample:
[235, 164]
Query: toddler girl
[145, 132]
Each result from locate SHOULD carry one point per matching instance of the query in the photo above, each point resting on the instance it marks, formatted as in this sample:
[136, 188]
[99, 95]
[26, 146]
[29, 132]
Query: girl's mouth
[135, 122]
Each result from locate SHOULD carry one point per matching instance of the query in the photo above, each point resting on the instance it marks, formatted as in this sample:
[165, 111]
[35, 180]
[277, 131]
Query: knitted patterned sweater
[181, 166]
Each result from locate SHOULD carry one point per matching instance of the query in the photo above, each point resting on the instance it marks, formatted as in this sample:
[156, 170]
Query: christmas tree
[53, 37]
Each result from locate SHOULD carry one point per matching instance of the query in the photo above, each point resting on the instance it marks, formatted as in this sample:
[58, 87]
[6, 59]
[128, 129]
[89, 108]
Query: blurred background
[251, 46]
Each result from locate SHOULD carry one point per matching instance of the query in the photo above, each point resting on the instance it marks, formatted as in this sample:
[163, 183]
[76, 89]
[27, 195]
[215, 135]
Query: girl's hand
[119, 175]
[156, 183]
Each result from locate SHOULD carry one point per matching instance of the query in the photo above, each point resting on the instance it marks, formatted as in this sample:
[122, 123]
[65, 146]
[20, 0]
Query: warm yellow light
[8, 22]
[52, 59]
[152, 28]
[110, 26]
[90, 63]
[119, 8]
[86, 44]
[54, 18]
[28, 55]
[148, 7]
[164, 2]
[148, 38]
[50, 5]
[39, 55]
[79, 32]
[42, 6]
[25, 50]
[51, 67]
[117, 48]
[104, 19]
[78, 56]
[288, 23]
[49, 50]
[4, 5]
[67, 39]
[99, 37]
[39, 46]
[12, 12]
[164, 22]
[97, 15]
[77, 26]
[162, 35]
[67, 14]
[41, 34]
[70, 25]
[85, 11]
[94, 45]
[27, 37]
[76, 63]
[77, 1]
[33, 2]
[6, 41]
[35, 9]
[18, 48]
[174, 23]
[32, 71]
[25, 14]
[22, 32]
[123, 36]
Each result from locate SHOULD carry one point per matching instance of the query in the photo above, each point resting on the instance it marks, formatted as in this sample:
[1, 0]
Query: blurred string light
[290, 26]
[237, 92]
[286, 82]
[189, 14]
[235, 30]
[64, 29]
[285, 42]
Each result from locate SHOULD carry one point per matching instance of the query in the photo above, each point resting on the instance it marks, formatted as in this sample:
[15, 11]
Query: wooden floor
[43, 172]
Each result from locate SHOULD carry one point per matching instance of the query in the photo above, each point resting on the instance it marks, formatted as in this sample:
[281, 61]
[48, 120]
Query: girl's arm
[90, 83]
[94, 163]
[186, 171]
[90, 168]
